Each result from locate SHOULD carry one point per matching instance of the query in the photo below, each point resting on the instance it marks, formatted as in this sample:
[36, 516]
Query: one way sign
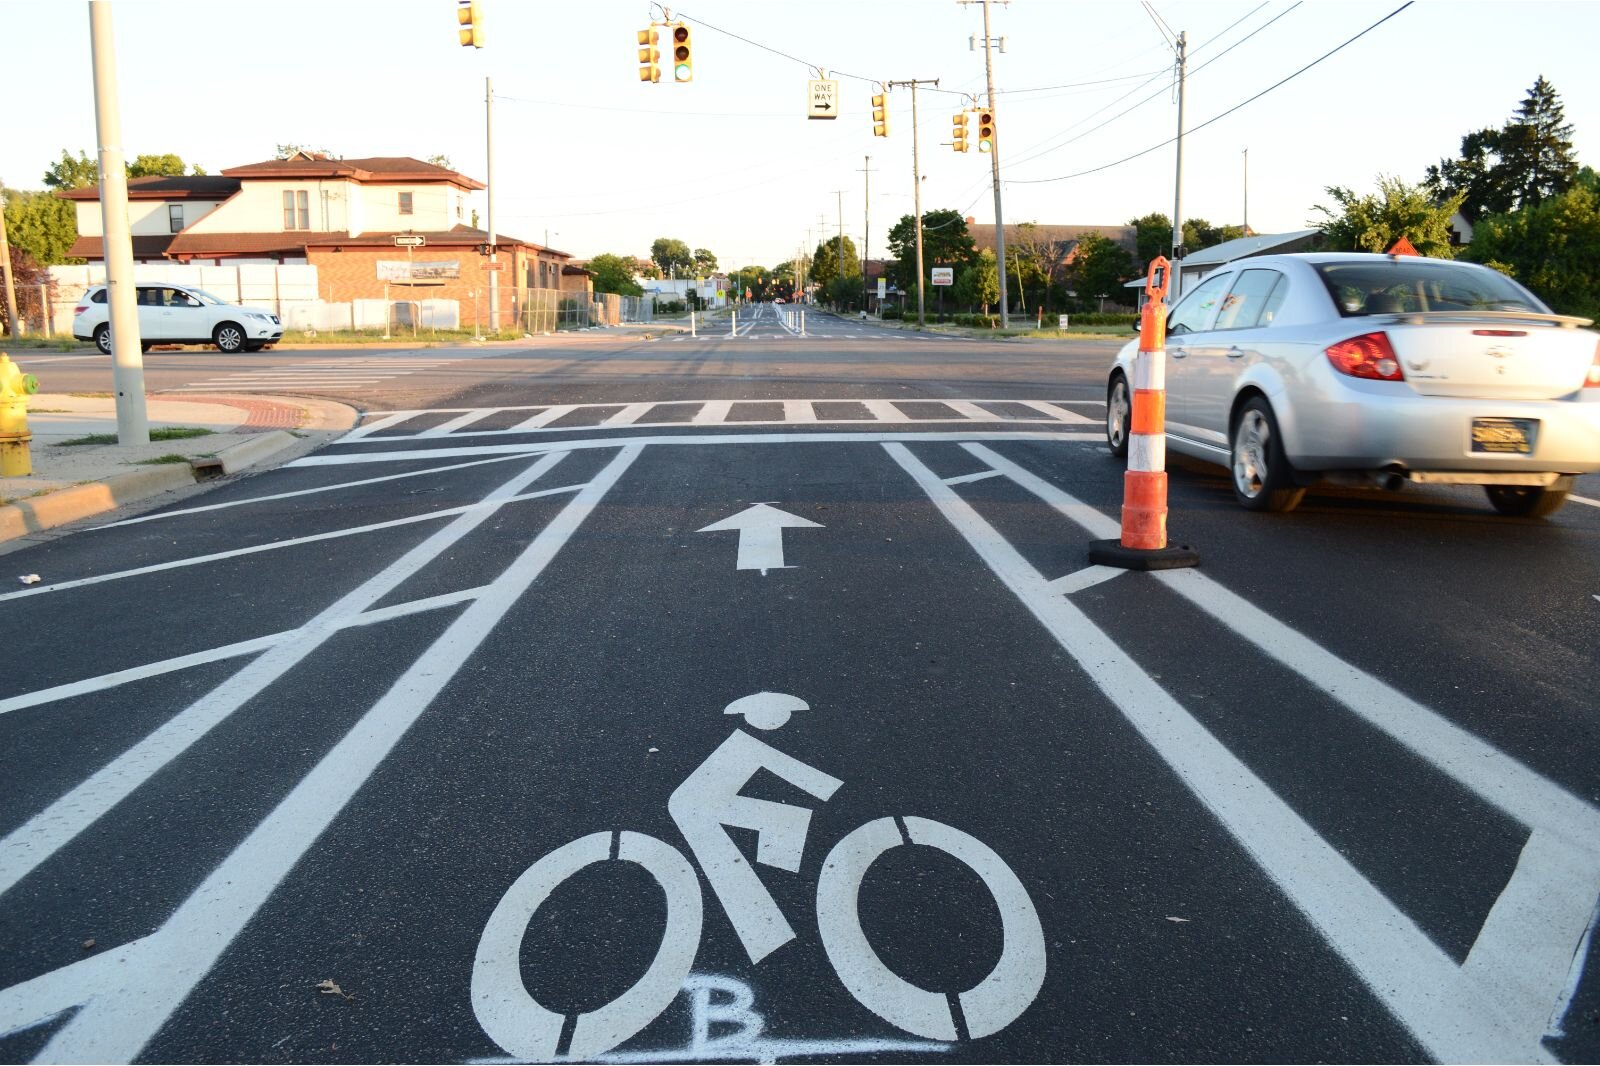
[822, 97]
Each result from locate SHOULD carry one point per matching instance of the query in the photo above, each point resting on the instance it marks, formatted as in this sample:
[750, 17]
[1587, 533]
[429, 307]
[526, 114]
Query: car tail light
[1367, 356]
[1593, 380]
[80, 309]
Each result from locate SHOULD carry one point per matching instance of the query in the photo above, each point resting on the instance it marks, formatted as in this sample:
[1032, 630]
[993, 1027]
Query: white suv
[179, 314]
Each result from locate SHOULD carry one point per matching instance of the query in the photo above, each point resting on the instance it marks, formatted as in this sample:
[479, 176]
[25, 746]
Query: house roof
[158, 187]
[143, 247]
[456, 237]
[205, 245]
[378, 169]
[1242, 247]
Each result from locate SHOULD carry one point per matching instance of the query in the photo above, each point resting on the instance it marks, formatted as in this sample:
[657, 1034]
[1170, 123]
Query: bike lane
[930, 693]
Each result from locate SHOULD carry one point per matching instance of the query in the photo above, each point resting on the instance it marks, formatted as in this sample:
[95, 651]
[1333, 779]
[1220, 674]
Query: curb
[241, 456]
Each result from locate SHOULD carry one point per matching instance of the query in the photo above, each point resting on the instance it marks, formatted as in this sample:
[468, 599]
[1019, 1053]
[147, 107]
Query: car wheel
[229, 337]
[102, 338]
[1526, 501]
[1119, 415]
[1263, 480]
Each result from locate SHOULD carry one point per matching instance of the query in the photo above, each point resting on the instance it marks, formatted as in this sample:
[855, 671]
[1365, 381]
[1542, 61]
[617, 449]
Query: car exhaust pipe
[1391, 478]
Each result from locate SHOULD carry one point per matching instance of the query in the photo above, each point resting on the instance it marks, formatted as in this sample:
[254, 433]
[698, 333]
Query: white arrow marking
[761, 529]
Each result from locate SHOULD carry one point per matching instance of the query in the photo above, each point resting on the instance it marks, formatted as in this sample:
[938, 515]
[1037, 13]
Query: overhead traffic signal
[682, 55]
[649, 55]
[958, 134]
[470, 14]
[880, 115]
[986, 131]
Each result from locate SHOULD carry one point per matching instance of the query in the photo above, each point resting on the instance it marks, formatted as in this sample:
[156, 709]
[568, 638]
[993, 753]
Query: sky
[589, 160]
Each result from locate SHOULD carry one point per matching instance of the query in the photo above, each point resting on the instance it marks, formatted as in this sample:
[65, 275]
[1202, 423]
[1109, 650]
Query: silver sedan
[1375, 369]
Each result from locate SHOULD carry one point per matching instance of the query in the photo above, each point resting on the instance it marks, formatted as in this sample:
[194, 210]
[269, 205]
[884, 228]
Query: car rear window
[1410, 283]
[98, 296]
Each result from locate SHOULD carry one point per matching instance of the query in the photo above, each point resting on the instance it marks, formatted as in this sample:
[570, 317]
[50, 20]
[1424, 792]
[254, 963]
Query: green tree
[1552, 247]
[945, 242]
[70, 173]
[671, 255]
[441, 160]
[1522, 164]
[1152, 236]
[705, 262]
[26, 277]
[1372, 223]
[1101, 266]
[978, 283]
[1198, 234]
[41, 224]
[168, 165]
[284, 151]
[614, 273]
[825, 260]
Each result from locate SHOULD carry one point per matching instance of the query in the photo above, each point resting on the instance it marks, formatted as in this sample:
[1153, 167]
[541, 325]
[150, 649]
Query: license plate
[1504, 436]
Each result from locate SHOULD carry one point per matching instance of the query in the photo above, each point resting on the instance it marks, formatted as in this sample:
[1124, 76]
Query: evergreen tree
[1522, 164]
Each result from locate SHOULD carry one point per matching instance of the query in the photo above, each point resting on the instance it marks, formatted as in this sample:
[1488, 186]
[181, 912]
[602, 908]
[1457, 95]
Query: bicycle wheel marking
[520, 1024]
[992, 1004]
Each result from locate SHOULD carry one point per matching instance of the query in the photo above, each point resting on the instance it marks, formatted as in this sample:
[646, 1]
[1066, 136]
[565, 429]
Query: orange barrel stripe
[1144, 510]
[1149, 410]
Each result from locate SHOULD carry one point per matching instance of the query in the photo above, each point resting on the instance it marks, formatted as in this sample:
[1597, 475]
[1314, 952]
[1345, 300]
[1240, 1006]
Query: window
[178, 298]
[460, 208]
[405, 203]
[1411, 283]
[1253, 301]
[296, 209]
[175, 217]
[98, 296]
[1193, 312]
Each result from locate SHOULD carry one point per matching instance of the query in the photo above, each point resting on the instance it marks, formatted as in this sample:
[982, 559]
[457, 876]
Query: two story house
[339, 215]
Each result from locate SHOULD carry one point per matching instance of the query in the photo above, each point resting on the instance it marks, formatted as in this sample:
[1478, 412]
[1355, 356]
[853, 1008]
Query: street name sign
[822, 98]
[409, 240]
[944, 275]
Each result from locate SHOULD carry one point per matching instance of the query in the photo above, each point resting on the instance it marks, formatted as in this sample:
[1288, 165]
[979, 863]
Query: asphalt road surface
[752, 699]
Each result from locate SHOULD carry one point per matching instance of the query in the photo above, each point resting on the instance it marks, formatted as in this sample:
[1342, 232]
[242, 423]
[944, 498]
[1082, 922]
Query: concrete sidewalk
[71, 481]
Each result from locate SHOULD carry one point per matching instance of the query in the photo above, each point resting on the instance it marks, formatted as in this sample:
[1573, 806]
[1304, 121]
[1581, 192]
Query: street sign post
[822, 98]
[944, 275]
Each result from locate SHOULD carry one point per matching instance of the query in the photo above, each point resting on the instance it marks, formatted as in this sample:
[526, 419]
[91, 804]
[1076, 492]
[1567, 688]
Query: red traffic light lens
[680, 34]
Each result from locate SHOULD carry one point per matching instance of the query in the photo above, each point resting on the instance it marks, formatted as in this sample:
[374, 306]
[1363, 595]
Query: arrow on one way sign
[761, 529]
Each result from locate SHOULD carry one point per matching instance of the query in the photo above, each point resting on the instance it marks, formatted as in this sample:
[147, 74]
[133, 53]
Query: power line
[1223, 115]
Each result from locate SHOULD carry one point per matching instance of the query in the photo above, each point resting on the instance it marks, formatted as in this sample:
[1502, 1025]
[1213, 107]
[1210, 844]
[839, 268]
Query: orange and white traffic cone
[1143, 544]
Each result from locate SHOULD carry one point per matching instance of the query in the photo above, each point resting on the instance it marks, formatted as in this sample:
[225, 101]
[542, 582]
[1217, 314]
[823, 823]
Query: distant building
[1208, 260]
[339, 215]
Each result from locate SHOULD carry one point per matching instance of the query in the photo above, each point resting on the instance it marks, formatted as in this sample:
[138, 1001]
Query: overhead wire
[1218, 117]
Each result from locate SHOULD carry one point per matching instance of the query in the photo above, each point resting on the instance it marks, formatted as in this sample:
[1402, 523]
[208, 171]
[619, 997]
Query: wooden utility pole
[916, 191]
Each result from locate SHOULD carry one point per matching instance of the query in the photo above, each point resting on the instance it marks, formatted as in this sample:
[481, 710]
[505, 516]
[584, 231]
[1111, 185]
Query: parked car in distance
[178, 314]
[1378, 370]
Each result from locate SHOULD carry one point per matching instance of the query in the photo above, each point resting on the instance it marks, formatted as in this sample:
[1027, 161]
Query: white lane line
[1396, 959]
[968, 409]
[798, 411]
[1584, 499]
[699, 400]
[1078, 580]
[629, 414]
[581, 444]
[884, 411]
[299, 492]
[1060, 413]
[543, 418]
[123, 1010]
[226, 651]
[712, 413]
[446, 428]
[963, 479]
[1098, 525]
[785, 421]
[41, 836]
[366, 429]
[293, 542]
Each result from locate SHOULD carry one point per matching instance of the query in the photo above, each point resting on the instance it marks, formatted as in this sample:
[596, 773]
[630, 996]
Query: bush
[670, 307]
[1098, 318]
[890, 313]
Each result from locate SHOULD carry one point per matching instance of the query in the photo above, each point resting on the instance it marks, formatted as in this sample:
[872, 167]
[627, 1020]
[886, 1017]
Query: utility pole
[916, 191]
[116, 241]
[839, 259]
[1177, 185]
[994, 161]
[5, 268]
[866, 226]
[488, 178]
[1247, 192]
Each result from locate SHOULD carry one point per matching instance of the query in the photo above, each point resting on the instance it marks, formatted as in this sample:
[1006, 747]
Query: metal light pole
[1247, 192]
[866, 226]
[994, 163]
[1177, 185]
[127, 359]
[488, 177]
[916, 189]
[839, 259]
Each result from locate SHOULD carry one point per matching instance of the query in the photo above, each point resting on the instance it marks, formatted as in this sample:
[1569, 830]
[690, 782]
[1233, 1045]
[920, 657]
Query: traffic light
[682, 57]
[649, 55]
[986, 131]
[880, 115]
[470, 14]
[958, 134]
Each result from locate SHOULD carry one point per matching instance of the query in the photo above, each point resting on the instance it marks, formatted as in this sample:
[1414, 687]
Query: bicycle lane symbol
[708, 802]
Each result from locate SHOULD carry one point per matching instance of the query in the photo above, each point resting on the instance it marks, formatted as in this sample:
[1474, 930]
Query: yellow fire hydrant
[15, 388]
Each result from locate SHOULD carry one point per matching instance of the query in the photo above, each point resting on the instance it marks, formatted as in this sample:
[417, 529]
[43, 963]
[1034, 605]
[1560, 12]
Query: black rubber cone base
[1172, 557]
